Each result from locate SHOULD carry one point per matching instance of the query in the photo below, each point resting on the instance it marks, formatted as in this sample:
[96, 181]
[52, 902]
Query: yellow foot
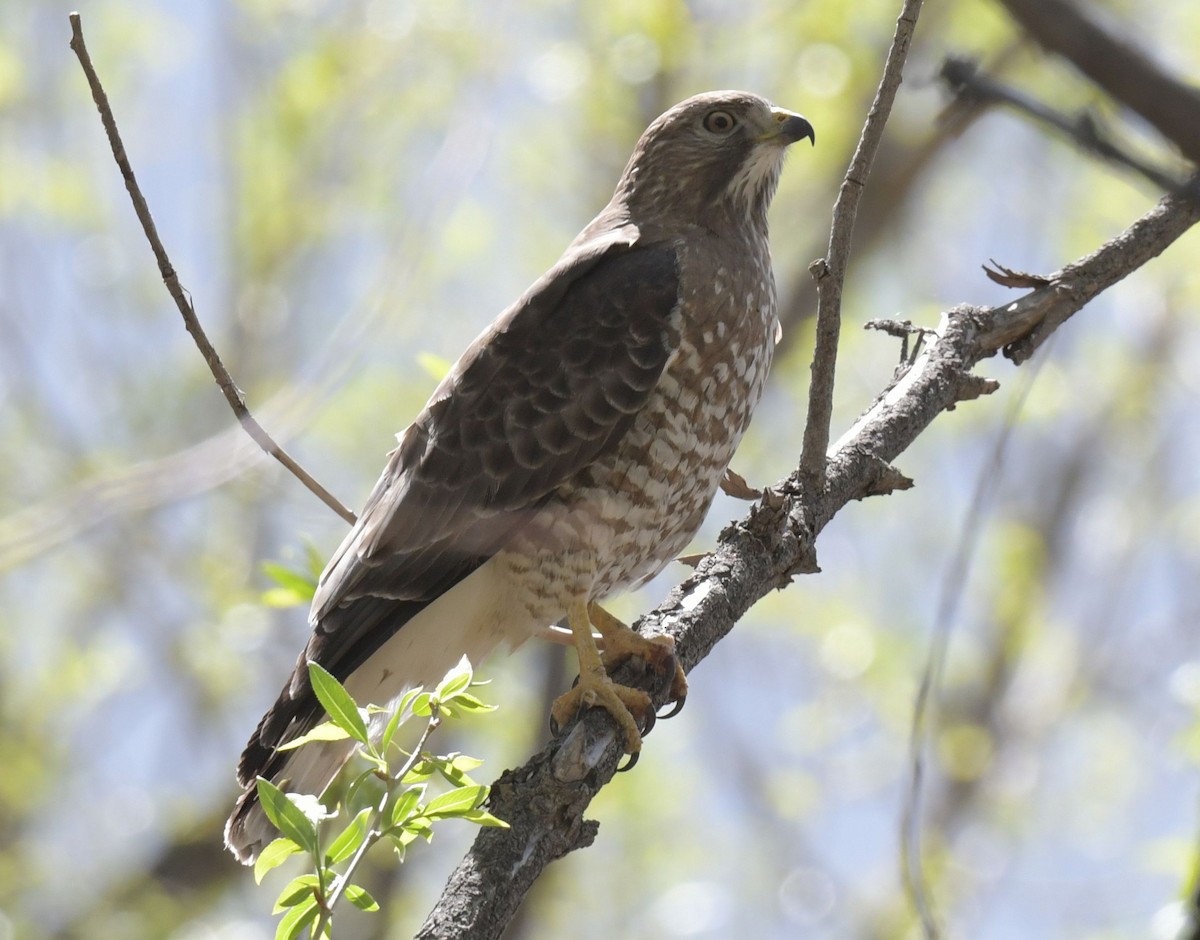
[658, 652]
[631, 708]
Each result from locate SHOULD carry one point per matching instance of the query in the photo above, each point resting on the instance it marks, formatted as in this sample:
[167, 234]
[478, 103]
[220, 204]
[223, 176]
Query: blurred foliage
[351, 191]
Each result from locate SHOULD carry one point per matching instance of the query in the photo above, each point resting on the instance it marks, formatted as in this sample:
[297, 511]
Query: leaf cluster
[389, 801]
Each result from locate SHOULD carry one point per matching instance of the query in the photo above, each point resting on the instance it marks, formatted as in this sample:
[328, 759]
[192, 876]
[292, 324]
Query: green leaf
[389, 730]
[337, 702]
[455, 802]
[402, 837]
[419, 826]
[283, 597]
[365, 792]
[296, 919]
[295, 892]
[274, 855]
[434, 364]
[467, 702]
[406, 804]
[421, 706]
[464, 762]
[421, 770]
[454, 768]
[360, 898]
[325, 731]
[407, 699]
[294, 582]
[350, 838]
[287, 817]
[457, 680]
[481, 817]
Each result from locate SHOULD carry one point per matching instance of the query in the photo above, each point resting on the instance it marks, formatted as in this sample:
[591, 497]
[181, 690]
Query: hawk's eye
[719, 122]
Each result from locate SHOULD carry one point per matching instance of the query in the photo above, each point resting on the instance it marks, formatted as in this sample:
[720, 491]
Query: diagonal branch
[224, 380]
[544, 801]
[830, 272]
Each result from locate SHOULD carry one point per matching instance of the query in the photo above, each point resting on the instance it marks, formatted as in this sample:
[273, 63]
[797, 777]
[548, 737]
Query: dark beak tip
[798, 128]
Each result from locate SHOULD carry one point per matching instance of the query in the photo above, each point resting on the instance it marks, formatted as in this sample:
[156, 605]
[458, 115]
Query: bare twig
[544, 801]
[1123, 71]
[1030, 320]
[224, 380]
[963, 77]
[830, 272]
[898, 170]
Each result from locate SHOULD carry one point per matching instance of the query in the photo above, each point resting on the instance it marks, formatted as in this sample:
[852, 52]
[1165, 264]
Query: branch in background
[544, 801]
[830, 272]
[964, 79]
[1029, 321]
[1171, 106]
[225, 382]
[41, 526]
[898, 169]
[927, 702]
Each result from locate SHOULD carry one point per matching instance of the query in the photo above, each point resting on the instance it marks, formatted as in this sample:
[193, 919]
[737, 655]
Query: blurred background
[351, 191]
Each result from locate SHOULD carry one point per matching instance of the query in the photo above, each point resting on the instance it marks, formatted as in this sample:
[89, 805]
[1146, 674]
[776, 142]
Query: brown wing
[548, 389]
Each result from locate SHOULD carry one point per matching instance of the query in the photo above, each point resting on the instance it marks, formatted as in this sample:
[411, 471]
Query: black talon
[648, 723]
[554, 726]
[677, 709]
[575, 683]
[629, 764]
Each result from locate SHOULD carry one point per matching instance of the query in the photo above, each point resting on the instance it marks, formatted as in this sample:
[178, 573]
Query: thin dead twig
[830, 272]
[224, 380]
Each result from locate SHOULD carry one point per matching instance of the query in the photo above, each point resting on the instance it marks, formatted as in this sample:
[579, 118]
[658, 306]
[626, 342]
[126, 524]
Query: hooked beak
[787, 127]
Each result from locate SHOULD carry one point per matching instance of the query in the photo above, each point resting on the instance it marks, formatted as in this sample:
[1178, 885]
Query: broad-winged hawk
[571, 452]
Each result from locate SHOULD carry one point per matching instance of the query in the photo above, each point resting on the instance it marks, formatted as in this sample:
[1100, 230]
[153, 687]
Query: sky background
[350, 191]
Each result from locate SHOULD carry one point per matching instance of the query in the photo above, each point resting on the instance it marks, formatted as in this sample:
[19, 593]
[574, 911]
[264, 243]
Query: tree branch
[224, 380]
[1130, 77]
[544, 800]
[898, 170]
[830, 272]
[964, 79]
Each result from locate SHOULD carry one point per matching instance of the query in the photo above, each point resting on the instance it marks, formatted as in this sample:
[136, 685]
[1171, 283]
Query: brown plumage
[571, 452]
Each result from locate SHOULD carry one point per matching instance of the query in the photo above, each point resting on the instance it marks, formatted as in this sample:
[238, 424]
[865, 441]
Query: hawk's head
[715, 153]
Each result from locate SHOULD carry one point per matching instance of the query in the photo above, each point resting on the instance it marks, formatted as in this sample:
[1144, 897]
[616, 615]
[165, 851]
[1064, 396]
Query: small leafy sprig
[383, 802]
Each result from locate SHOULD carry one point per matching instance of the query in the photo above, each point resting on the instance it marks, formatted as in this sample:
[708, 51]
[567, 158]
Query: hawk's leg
[620, 643]
[630, 708]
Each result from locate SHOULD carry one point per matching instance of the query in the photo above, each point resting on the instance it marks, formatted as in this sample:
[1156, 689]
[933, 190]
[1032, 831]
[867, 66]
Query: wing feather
[548, 389]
